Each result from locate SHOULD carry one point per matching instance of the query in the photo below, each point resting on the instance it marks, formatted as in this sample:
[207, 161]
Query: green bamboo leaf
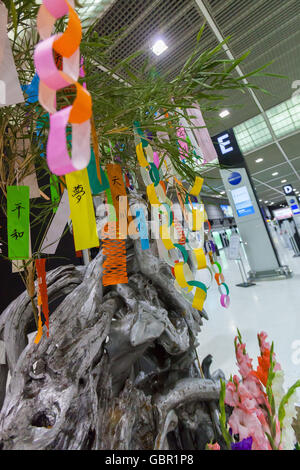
[199, 35]
[284, 401]
[14, 16]
[222, 418]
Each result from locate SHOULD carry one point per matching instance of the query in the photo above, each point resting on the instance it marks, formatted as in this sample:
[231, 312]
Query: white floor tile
[272, 306]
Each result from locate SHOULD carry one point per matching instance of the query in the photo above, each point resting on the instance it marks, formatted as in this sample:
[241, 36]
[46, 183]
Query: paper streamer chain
[184, 279]
[53, 79]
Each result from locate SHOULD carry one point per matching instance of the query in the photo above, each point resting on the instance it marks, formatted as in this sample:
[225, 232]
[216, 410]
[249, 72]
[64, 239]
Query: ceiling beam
[215, 29]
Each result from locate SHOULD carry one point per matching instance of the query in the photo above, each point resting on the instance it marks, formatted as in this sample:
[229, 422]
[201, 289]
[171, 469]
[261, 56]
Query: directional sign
[288, 190]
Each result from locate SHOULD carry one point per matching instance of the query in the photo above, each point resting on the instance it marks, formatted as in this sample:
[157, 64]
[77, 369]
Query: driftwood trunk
[119, 370]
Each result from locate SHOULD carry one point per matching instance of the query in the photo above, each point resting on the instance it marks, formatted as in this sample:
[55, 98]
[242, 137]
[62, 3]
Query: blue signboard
[242, 201]
[295, 208]
[235, 178]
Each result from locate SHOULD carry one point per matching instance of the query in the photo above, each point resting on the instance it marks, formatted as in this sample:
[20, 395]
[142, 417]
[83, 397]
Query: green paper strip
[112, 217]
[198, 284]
[154, 174]
[54, 190]
[95, 184]
[18, 222]
[183, 251]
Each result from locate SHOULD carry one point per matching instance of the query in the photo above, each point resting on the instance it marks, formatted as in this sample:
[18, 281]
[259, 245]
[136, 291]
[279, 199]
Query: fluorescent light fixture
[224, 113]
[283, 181]
[258, 160]
[275, 173]
[159, 47]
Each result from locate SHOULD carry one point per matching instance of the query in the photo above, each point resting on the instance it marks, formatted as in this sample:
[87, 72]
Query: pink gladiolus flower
[243, 360]
[213, 446]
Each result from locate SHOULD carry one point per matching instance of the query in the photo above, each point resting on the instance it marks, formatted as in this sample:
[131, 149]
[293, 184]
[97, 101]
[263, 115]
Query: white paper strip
[57, 226]
[29, 180]
[10, 89]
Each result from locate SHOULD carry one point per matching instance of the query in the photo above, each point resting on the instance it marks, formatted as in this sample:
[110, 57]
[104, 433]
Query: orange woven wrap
[114, 249]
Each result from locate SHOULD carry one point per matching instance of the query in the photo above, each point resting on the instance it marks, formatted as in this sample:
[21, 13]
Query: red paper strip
[41, 277]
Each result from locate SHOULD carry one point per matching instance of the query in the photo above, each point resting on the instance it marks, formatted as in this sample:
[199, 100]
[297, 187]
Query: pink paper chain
[51, 80]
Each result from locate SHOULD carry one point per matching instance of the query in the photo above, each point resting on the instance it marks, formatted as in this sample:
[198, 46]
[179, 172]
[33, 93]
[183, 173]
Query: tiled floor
[270, 306]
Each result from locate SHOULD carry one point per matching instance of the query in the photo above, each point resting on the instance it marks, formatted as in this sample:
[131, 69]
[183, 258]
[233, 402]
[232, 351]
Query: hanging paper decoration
[10, 89]
[82, 210]
[114, 251]
[42, 289]
[142, 228]
[40, 323]
[53, 79]
[18, 222]
[57, 226]
[54, 190]
[32, 90]
[30, 179]
[183, 146]
[96, 186]
[202, 135]
[115, 232]
[193, 290]
[18, 264]
[119, 197]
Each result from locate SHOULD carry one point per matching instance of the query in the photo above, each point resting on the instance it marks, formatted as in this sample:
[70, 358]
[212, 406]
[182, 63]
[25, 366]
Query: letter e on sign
[224, 144]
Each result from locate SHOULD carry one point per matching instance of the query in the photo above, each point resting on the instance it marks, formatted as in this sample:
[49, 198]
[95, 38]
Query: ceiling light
[159, 47]
[258, 160]
[275, 174]
[260, 200]
[224, 113]
[222, 192]
[266, 202]
[283, 181]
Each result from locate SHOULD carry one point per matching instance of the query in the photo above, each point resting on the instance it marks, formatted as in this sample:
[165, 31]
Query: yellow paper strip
[183, 274]
[199, 299]
[152, 195]
[165, 237]
[200, 258]
[82, 210]
[140, 155]
[195, 190]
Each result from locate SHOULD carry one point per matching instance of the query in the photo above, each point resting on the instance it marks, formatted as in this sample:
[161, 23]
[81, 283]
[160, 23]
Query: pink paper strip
[46, 67]
[58, 158]
[156, 159]
[202, 136]
[57, 8]
[183, 146]
[44, 22]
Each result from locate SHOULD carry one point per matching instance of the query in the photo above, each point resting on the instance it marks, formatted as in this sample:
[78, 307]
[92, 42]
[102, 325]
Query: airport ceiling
[270, 29]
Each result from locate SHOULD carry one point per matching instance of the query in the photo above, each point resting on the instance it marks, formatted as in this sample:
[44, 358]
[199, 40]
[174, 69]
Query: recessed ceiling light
[266, 202]
[224, 113]
[260, 200]
[159, 47]
[283, 181]
[258, 160]
[275, 173]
